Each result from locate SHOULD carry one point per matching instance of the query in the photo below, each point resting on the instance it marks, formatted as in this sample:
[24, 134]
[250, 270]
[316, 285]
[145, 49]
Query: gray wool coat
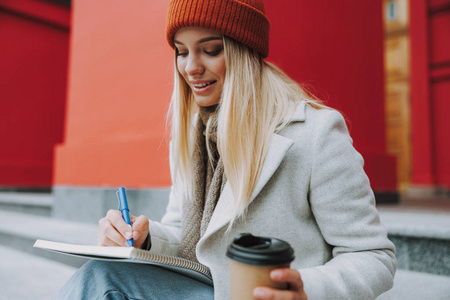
[312, 193]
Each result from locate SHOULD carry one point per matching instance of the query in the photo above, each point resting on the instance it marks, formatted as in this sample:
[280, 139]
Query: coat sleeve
[165, 235]
[343, 204]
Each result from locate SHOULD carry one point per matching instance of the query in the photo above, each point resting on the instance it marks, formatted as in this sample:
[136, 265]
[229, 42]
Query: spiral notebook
[180, 265]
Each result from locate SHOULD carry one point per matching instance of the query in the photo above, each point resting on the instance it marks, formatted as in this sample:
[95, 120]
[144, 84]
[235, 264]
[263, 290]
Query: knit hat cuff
[234, 19]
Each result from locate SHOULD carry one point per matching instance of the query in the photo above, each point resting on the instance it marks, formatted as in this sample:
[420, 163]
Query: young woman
[250, 152]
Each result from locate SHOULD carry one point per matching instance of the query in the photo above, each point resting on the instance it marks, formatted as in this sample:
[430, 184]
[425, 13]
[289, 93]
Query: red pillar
[120, 82]
[421, 127]
[430, 89]
[337, 48]
[34, 43]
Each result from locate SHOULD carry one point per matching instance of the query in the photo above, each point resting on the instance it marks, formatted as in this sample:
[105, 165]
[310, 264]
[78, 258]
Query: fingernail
[126, 244]
[135, 234]
[128, 235]
[276, 274]
[258, 292]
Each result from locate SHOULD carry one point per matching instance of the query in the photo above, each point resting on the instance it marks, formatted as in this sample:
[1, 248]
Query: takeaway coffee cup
[251, 260]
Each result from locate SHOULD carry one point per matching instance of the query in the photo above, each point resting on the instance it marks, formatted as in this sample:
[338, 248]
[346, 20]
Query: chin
[206, 103]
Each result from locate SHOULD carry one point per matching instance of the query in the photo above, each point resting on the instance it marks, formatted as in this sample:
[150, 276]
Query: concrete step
[20, 231]
[416, 285]
[24, 276]
[422, 239]
[40, 204]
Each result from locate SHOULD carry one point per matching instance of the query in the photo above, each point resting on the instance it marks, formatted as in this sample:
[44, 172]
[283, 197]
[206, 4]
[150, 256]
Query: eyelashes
[209, 53]
[215, 52]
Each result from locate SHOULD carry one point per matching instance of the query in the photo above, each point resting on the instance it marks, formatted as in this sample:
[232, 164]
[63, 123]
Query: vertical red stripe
[422, 139]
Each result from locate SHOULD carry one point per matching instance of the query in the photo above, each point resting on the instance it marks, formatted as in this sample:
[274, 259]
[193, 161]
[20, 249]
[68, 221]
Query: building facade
[87, 86]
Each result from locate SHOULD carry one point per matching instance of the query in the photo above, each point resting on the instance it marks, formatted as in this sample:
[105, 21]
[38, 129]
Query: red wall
[430, 92]
[120, 83]
[439, 40]
[34, 47]
[336, 47]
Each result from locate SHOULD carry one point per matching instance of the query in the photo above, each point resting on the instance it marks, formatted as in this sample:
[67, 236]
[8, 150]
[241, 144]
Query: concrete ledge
[423, 254]
[383, 197]
[416, 285]
[32, 203]
[85, 204]
[28, 277]
[416, 223]
[427, 192]
[20, 231]
[422, 240]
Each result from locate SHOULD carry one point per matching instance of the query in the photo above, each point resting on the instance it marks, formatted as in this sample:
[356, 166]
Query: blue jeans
[118, 280]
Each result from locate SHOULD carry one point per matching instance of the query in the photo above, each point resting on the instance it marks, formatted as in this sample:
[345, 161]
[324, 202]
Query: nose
[194, 65]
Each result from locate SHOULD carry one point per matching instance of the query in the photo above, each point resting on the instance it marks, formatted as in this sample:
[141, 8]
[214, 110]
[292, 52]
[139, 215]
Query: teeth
[201, 85]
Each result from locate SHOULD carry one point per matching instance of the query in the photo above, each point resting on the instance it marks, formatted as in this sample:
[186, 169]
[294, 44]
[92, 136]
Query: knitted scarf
[209, 180]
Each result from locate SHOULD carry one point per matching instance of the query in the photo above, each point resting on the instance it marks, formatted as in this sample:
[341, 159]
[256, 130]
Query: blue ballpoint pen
[123, 207]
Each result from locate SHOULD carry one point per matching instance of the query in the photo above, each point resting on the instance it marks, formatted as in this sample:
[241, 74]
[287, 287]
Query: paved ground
[25, 276]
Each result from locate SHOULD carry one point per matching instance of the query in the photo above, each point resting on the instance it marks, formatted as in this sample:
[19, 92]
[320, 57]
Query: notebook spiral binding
[175, 261]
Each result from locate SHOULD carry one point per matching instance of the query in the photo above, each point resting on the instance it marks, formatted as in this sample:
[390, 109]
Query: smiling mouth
[203, 85]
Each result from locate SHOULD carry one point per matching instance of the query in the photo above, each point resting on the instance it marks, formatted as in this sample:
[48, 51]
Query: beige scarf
[209, 180]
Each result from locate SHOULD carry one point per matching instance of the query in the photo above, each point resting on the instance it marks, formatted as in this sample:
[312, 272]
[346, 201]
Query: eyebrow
[204, 40]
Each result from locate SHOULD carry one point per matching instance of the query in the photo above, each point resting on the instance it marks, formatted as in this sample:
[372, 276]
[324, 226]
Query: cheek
[223, 73]
[221, 70]
[181, 68]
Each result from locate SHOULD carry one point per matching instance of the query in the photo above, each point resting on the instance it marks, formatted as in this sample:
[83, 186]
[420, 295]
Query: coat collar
[279, 146]
[300, 112]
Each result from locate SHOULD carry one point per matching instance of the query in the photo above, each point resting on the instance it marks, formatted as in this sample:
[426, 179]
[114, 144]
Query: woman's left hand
[294, 280]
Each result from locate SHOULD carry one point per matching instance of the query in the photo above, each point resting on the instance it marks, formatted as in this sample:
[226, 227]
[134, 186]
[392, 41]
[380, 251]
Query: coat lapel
[278, 148]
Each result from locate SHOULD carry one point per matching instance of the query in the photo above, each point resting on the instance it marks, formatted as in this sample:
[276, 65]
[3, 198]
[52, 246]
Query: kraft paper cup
[251, 260]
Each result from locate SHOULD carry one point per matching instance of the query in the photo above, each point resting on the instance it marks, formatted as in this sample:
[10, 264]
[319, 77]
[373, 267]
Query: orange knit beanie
[242, 20]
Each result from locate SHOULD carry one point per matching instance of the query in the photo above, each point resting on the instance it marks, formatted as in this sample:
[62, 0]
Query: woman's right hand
[113, 231]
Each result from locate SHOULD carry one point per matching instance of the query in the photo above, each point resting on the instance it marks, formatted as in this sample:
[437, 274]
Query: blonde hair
[258, 99]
